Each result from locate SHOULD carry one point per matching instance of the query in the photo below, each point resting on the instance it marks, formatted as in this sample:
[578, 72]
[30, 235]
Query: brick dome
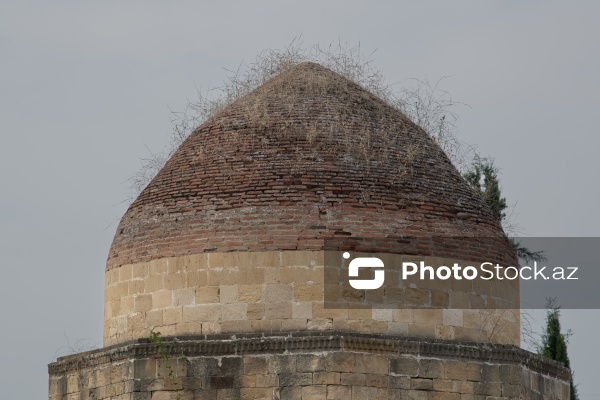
[306, 156]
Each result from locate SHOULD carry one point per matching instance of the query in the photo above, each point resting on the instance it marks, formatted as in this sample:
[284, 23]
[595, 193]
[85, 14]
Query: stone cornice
[309, 342]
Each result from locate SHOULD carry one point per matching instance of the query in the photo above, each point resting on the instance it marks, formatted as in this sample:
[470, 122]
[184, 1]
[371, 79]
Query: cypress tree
[554, 342]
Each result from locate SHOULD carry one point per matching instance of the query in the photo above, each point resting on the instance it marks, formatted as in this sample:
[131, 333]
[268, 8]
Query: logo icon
[365, 262]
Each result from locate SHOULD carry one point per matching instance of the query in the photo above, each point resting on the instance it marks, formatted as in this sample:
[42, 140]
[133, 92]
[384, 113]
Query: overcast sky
[86, 88]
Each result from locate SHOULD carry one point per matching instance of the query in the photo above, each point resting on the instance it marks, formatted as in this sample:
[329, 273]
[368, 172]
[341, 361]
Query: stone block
[353, 379]
[278, 310]
[142, 303]
[228, 293]
[314, 392]
[234, 312]
[310, 363]
[255, 311]
[228, 394]
[140, 271]
[452, 317]
[196, 279]
[268, 380]
[446, 396]
[376, 380]
[339, 392]
[320, 324]
[326, 378]
[157, 267]
[136, 287]
[125, 272]
[308, 292]
[184, 297]
[162, 299]
[421, 330]
[295, 379]
[290, 393]
[256, 393]
[172, 316]
[278, 293]
[278, 364]
[254, 365]
[319, 311]
[361, 393]
[202, 313]
[153, 283]
[404, 365]
[428, 316]
[293, 325]
[421, 384]
[431, 368]
[372, 364]
[250, 293]
[443, 385]
[340, 362]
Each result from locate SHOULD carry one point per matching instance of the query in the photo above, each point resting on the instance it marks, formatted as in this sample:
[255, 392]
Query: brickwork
[224, 253]
[241, 292]
[309, 367]
[307, 156]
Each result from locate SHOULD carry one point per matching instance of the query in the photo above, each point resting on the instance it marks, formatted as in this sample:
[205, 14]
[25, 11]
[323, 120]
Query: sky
[86, 90]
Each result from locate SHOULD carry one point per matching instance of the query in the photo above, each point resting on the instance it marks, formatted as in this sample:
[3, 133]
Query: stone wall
[243, 292]
[303, 366]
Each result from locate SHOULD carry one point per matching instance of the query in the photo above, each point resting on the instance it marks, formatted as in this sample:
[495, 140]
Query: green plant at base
[156, 338]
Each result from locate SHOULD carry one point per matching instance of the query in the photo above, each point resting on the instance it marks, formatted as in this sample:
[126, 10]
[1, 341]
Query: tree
[483, 179]
[554, 342]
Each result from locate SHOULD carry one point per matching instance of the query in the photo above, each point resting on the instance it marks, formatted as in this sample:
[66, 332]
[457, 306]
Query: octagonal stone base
[306, 366]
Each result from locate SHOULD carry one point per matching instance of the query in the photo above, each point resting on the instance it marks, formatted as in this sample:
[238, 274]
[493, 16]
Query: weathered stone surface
[314, 367]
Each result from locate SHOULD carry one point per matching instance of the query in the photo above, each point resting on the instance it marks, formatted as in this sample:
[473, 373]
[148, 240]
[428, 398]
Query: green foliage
[525, 254]
[554, 342]
[156, 338]
[483, 178]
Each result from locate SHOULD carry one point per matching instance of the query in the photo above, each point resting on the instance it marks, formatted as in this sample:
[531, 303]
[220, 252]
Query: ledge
[308, 342]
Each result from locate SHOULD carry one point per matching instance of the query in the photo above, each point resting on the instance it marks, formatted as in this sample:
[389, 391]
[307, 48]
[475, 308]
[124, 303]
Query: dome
[232, 234]
[307, 155]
